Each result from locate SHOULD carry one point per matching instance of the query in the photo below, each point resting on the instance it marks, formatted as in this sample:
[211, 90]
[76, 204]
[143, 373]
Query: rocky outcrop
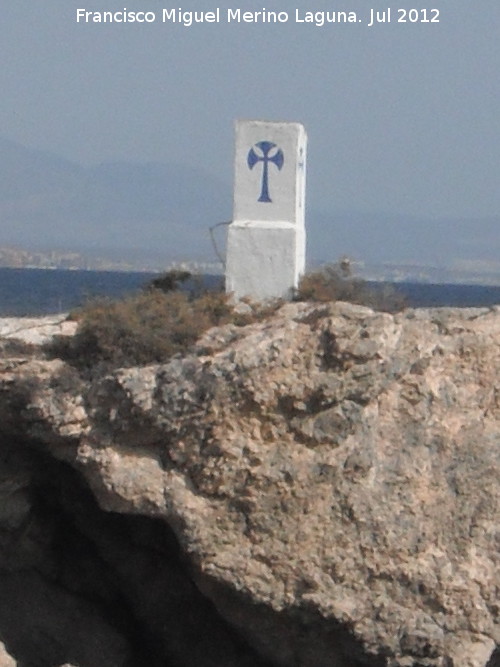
[327, 478]
[6, 660]
[36, 330]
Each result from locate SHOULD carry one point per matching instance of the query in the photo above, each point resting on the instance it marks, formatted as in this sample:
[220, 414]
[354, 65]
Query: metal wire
[214, 242]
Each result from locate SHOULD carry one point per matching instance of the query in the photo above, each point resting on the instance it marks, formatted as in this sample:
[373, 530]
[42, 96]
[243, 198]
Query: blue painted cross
[278, 158]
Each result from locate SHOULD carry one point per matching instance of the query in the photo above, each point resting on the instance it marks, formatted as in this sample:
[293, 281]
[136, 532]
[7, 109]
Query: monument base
[264, 259]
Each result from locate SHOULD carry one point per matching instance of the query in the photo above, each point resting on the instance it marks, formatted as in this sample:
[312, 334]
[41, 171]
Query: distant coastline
[465, 273]
[68, 260]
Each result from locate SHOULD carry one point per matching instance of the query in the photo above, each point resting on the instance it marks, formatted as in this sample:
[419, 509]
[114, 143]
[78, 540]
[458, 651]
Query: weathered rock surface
[6, 660]
[36, 330]
[331, 476]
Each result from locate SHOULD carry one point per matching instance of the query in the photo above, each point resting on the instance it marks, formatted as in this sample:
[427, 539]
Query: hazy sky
[402, 118]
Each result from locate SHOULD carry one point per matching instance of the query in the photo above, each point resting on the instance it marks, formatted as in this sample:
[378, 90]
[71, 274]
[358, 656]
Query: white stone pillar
[266, 239]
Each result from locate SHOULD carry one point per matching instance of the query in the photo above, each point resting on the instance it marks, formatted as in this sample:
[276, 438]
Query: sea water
[44, 291]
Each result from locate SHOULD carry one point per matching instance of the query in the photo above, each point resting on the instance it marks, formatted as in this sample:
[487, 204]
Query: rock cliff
[318, 489]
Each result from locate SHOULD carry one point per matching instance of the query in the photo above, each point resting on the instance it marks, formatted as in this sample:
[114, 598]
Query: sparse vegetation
[151, 326]
[169, 281]
[335, 282]
[144, 328]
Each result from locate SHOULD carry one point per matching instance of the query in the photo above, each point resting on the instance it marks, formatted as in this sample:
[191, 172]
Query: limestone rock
[6, 660]
[331, 474]
[36, 330]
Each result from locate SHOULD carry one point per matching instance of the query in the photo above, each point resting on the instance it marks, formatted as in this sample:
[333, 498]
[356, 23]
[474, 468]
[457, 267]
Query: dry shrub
[151, 326]
[169, 281]
[13, 347]
[335, 283]
[144, 328]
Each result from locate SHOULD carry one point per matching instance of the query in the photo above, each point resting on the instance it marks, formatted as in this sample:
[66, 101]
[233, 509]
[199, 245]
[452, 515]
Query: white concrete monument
[266, 239]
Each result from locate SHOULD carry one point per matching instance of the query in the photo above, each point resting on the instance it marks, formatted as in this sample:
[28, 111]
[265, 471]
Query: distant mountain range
[48, 202]
[159, 210]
